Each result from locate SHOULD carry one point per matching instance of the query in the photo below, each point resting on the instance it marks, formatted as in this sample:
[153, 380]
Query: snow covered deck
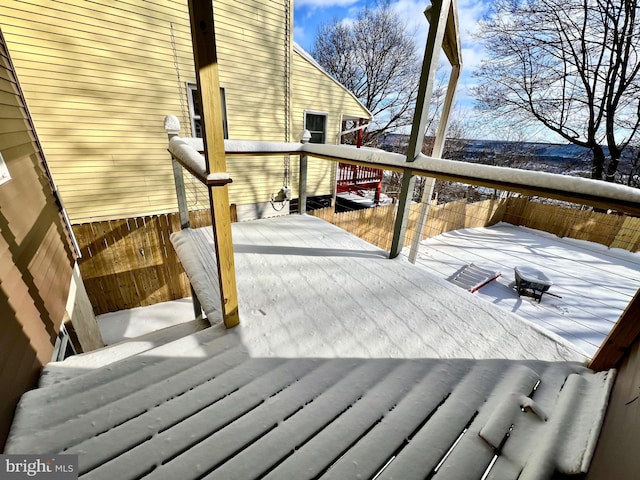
[346, 365]
[203, 407]
[596, 283]
[308, 288]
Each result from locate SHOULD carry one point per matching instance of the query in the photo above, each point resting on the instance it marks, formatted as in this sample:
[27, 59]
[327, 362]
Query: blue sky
[309, 14]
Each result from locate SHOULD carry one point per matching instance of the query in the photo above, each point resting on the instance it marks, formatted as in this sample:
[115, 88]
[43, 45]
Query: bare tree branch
[573, 66]
[376, 58]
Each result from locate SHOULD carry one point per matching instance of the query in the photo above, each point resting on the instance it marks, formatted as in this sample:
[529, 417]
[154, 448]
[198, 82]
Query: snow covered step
[216, 412]
[57, 372]
[196, 250]
[125, 377]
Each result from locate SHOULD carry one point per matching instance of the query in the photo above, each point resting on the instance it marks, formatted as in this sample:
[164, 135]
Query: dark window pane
[196, 103]
[317, 137]
[197, 125]
[315, 123]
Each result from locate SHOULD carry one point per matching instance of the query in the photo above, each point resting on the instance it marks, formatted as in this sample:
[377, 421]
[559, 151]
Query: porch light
[305, 136]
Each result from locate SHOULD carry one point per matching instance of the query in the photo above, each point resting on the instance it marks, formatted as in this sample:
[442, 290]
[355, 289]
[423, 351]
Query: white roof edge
[307, 56]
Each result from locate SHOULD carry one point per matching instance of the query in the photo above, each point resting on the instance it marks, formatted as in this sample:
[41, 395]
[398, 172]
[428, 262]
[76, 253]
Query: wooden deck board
[312, 285]
[310, 418]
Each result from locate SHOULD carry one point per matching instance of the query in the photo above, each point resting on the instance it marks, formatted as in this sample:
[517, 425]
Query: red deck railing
[353, 178]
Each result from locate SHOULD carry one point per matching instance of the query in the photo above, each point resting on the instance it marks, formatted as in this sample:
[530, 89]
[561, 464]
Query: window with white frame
[316, 123]
[5, 176]
[194, 111]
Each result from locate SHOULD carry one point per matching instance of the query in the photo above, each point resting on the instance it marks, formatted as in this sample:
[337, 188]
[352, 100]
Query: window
[63, 347]
[194, 111]
[5, 176]
[316, 123]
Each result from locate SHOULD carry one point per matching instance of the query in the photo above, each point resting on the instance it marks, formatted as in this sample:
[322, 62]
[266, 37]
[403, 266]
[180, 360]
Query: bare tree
[633, 175]
[571, 65]
[375, 57]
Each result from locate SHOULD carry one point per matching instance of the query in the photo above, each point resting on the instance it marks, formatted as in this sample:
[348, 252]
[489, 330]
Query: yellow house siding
[251, 39]
[100, 76]
[314, 91]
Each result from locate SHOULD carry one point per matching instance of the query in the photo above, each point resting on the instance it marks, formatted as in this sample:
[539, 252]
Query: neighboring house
[40, 286]
[99, 77]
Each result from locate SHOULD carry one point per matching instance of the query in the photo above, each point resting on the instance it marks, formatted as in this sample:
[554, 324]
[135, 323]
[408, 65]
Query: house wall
[314, 90]
[616, 454]
[100, 76]
[36, 261]
[253, 48]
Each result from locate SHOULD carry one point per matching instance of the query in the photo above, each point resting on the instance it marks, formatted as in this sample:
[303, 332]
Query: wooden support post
[206, 62]
[438, 13]
[438, 147]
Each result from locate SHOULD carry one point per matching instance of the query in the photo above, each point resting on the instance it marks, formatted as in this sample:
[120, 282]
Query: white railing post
[438, 14]
[172, 126]
[305, 136]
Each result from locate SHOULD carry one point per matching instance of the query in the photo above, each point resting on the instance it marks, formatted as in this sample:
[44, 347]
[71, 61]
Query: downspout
[287, 69]
[286, 187]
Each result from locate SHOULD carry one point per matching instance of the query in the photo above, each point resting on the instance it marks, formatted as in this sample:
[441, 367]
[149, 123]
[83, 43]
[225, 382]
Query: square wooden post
[438, 147]
[206, 62]
[438, 14]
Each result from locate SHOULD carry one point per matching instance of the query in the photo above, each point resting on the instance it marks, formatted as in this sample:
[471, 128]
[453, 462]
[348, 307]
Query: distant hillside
[567, 159]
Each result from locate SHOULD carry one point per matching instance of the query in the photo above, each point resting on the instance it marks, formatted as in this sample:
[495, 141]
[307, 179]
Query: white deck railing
[562, 187]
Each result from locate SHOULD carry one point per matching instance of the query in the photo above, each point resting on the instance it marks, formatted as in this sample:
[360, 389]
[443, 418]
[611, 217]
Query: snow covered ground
[595, 283]
[127, 324]
[307, 288]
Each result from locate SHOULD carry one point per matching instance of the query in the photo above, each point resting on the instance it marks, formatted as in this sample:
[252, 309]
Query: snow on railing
[185, 153]
[562, 187]
[552, 185]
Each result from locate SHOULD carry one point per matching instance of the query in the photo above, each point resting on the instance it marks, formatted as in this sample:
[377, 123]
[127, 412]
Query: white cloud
[299, 34]
[469, 12]
[411, 13]
[472, 56]
[348, 21]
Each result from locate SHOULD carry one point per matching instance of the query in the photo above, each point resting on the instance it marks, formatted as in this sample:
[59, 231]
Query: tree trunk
[612, 168]
[597, 165]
